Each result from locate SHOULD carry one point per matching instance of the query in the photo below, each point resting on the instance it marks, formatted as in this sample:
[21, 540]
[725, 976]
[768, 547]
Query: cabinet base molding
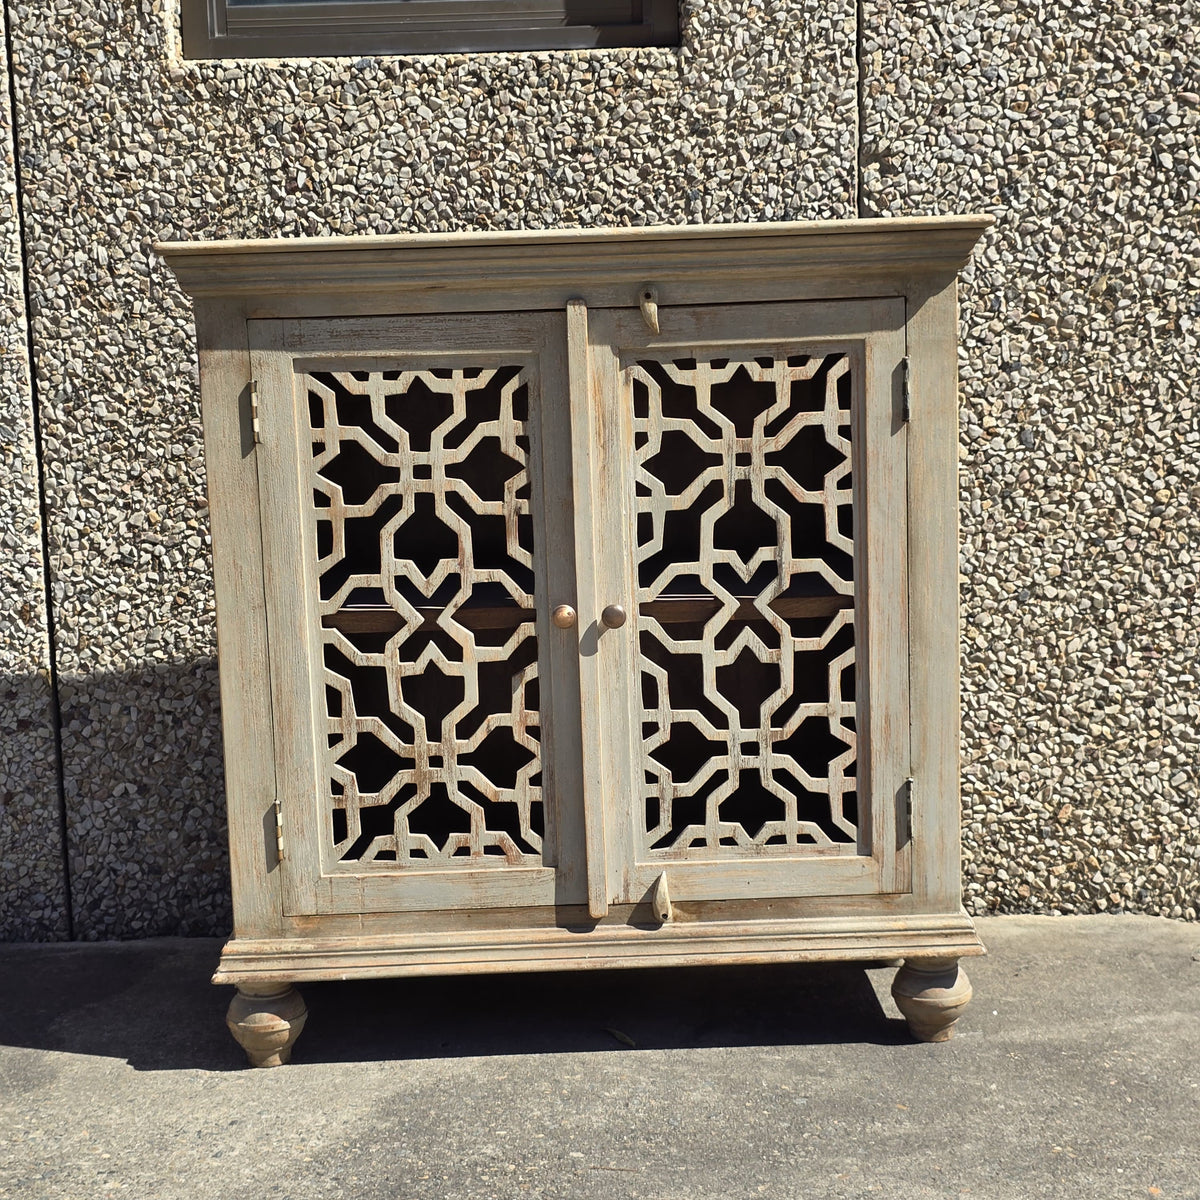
[250, 961]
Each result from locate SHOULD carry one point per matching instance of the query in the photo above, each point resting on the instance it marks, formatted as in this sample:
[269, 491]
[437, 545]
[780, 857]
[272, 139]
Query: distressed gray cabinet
[586, 599]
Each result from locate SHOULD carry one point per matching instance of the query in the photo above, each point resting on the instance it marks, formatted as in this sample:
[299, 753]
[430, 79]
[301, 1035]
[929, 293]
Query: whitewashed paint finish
[638, 521]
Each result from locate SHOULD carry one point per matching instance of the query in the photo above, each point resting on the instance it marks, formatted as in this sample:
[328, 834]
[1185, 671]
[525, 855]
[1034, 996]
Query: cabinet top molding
[272, 274]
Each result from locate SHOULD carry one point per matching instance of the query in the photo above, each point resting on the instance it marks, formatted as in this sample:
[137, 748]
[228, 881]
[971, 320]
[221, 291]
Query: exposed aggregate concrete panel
[123, 143]
[1076, 124]
[33, 893]
[1081, 446]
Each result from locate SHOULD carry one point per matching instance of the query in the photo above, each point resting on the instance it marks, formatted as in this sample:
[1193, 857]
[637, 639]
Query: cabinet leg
[265, 1020]
[931, 993]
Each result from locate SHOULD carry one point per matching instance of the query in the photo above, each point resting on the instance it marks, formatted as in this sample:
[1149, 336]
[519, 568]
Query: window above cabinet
[329, 28]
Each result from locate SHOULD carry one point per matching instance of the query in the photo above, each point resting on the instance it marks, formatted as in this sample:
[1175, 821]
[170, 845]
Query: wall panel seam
[860, 112]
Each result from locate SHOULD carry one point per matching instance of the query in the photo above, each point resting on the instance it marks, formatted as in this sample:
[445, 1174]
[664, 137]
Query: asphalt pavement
[1075, 1073]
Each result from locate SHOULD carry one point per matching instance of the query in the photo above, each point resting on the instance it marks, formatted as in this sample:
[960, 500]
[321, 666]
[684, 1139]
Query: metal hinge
[905, 394]
[279, 828]
[254, 426]
[906, 809]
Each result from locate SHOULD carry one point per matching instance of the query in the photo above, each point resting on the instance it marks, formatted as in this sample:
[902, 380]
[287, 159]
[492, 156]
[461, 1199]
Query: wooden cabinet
[586, 599]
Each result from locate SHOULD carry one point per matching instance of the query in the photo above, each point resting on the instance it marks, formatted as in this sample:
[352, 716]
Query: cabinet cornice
[554, 264]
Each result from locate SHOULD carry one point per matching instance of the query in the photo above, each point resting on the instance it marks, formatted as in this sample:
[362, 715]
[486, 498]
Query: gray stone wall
[33, 900]
[1081, 701]
[1076, 124]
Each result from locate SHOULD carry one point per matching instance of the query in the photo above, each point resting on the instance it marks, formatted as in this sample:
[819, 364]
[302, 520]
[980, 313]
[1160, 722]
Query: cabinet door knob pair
[613, 616]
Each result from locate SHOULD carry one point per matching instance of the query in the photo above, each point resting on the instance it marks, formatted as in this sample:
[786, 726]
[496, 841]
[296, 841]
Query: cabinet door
[412, 475]
[755, 528]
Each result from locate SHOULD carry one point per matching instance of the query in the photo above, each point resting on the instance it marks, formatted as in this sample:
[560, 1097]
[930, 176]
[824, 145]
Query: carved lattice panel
[421, 486]
[745, 574]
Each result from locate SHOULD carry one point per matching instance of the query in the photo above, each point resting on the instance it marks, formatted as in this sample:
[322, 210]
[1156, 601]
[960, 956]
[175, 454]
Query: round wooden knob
[613, 616]
[563, 616]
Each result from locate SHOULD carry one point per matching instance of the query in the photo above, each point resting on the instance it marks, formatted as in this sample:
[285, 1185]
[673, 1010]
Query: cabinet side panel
[933, 594]
[241, 616]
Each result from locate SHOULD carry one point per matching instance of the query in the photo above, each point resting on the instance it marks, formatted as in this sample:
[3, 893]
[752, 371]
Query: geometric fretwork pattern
[425, 560]
[745, 561]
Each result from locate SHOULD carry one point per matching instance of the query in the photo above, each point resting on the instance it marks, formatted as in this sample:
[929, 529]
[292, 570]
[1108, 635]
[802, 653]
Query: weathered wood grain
[859, 938]
[567, 308]
[242, 634]
[933, 592]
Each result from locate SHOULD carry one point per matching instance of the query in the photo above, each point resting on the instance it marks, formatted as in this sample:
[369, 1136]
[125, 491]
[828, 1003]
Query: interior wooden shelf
[382, 618]
[700, 607]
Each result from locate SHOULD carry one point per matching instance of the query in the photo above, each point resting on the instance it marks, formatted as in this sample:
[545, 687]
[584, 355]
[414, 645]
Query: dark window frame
[329, 28]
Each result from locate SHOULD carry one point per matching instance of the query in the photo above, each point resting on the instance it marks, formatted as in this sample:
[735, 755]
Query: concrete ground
[1075, 1073]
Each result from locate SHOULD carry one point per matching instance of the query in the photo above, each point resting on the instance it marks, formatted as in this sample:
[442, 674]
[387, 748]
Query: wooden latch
[660, 900]
[648, 301]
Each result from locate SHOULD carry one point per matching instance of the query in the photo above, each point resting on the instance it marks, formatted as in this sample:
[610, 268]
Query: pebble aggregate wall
[1080, 454]
[1076, 124]
[33, 903]
[122, 143]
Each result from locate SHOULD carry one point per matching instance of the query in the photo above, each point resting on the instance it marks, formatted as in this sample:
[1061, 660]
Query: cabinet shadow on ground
[151, 1004]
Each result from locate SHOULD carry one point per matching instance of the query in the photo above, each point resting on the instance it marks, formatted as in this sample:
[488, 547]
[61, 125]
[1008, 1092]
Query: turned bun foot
[931, 993]
[266, 1020]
